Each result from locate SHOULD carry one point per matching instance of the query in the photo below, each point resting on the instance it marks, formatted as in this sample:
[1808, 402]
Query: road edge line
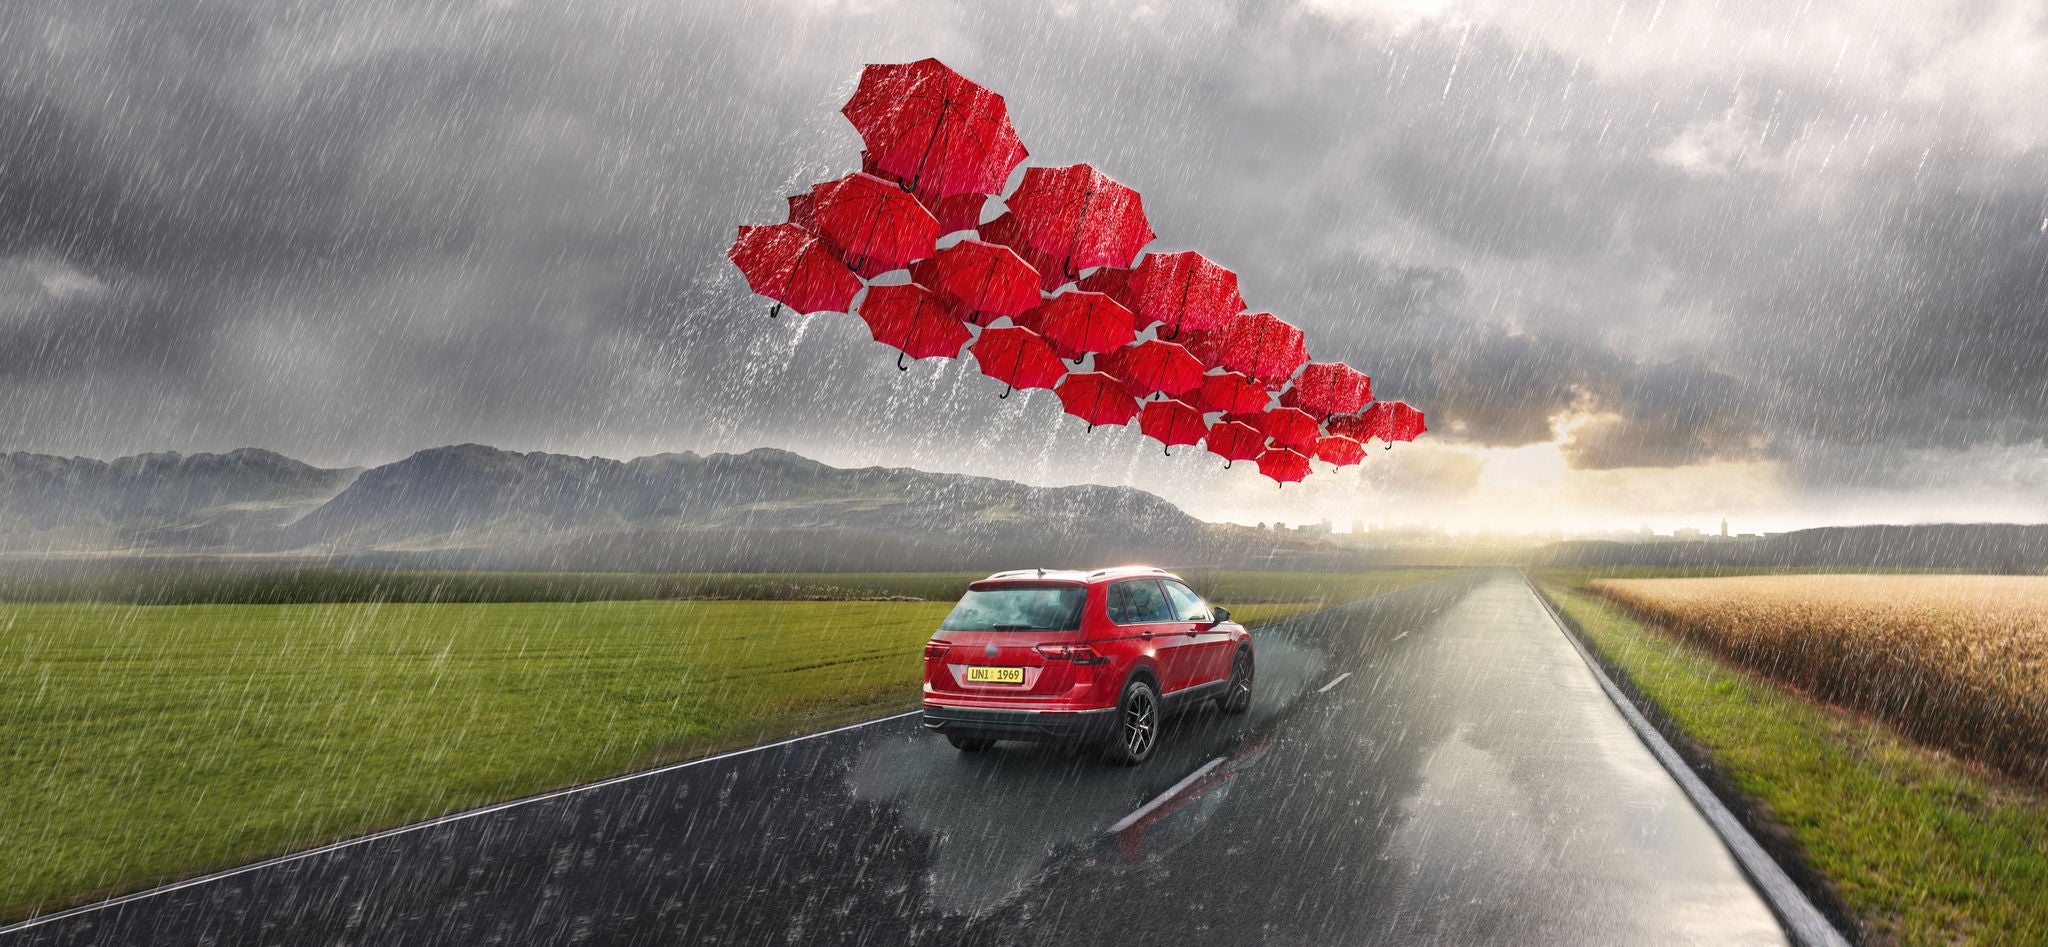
[289, 857]
[1161, 799]
[1804, 922]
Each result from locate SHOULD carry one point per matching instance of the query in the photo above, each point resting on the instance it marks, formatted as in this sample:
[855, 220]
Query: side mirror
[1222, 614]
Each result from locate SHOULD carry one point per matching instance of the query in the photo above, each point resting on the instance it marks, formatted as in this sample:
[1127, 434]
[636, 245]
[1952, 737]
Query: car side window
[1137, 602]
[1186, 604]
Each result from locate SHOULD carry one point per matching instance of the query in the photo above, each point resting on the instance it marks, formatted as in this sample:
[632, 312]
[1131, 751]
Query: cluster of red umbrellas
[1055, 279]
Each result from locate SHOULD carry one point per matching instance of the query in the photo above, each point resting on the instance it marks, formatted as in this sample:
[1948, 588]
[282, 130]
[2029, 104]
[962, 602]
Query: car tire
[1138, 715]
[969, 744]
[1237, 695]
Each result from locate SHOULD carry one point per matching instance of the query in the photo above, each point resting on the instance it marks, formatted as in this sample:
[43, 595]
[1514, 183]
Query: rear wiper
[1010, 627]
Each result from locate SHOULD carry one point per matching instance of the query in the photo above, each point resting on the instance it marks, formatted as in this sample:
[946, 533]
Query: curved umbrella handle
[900, 356]
[1227, 463]
[1169, 450]
[774, 310]
[1006, 391]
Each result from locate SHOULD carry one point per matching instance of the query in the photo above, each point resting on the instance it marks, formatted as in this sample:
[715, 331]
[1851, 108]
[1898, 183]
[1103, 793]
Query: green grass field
[1923, 849]
[143, 743]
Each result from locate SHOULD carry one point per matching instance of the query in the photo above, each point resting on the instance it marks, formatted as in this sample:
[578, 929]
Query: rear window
[1018, 608]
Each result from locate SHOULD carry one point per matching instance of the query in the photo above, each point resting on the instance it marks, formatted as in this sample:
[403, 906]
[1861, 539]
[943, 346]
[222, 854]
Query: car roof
[1085, 577]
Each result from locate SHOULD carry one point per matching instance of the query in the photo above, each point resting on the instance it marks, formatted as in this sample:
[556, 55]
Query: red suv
[1082, 657]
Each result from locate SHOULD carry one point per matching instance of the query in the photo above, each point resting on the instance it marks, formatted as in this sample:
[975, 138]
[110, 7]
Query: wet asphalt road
[1467, 783]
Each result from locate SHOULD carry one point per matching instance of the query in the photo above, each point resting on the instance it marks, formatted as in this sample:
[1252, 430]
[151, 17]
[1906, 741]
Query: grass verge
[1920, 848]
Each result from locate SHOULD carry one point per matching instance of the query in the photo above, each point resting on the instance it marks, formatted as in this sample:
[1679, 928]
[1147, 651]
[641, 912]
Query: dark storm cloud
[357, 228]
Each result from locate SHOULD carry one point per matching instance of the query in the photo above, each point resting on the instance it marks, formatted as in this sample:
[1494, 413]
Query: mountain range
[475, 507]
[472, 506]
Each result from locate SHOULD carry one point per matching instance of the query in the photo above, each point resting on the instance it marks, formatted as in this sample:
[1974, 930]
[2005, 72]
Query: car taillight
[1077, 653]
[935, 649]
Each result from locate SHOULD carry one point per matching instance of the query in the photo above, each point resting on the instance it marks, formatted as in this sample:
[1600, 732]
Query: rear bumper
[1038, 725]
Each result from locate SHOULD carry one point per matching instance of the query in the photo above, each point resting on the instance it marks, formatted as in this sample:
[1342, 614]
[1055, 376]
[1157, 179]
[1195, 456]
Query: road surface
[1436, 765]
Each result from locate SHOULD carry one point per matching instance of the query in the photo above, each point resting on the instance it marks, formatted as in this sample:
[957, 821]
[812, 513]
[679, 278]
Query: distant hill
[1977, 547]
[471, 505]
[237, 499]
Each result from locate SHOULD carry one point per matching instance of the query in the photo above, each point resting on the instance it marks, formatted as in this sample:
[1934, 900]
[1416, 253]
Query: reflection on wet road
[1434, 765]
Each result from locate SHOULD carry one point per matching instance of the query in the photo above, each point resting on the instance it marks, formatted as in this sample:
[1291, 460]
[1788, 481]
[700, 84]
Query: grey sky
[1808, 242]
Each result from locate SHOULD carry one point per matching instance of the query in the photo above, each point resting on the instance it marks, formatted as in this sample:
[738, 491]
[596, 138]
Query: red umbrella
[1017, 356]
[794, 268]
[1403, 422]
[1081, 216]
[1235, 440]
[1006, 231]
[1079, 323]
[1172, 422]
[983, 277]
[1152, 365]
[1263, 346]
[1111, 281]
[1340, 450]
[1292, 427]
[1186, 290]
[929, 125]
[1389, 421]
[1283, 466]
[873, 220]
[1229, 392]
[1097, 399]
[1327, 388]
[958, 212]
[914, 319]
[1206, 345]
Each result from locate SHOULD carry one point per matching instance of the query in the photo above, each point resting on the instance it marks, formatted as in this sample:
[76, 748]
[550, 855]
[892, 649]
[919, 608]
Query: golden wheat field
[1957, 662]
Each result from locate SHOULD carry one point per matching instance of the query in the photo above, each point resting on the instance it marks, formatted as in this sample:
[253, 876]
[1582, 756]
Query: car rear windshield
[1018, 608]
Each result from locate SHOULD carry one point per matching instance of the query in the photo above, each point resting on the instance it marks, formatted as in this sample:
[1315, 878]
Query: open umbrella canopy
[873, 221]
[1263, 346]
[1339, 450]
[1097, 398]
[1172, 422]
[1235, 440]
[1206, 345]
[1079, 323]
[1005, 231]
[1153, 366]
[1283, 466]
[958, 212]
[934, 128]
[1083, 217]
[1389, 421]
[985, 279]
[1184, 290]
[1114, 282]
[794, 267]
[914, 319]
[1292, 427]
[1230, 392]
[1327, 388]
[1017, 356]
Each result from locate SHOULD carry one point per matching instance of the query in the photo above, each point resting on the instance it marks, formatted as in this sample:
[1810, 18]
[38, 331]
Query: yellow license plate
[995, 675]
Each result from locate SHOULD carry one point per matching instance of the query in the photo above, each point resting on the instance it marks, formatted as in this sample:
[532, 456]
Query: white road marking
[430, 823]
[1339, 680]
[1159, 800]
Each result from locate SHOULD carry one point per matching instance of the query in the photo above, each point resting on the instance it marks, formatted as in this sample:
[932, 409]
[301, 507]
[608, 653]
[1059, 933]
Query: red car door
[1209, 647]
[1141, 610]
